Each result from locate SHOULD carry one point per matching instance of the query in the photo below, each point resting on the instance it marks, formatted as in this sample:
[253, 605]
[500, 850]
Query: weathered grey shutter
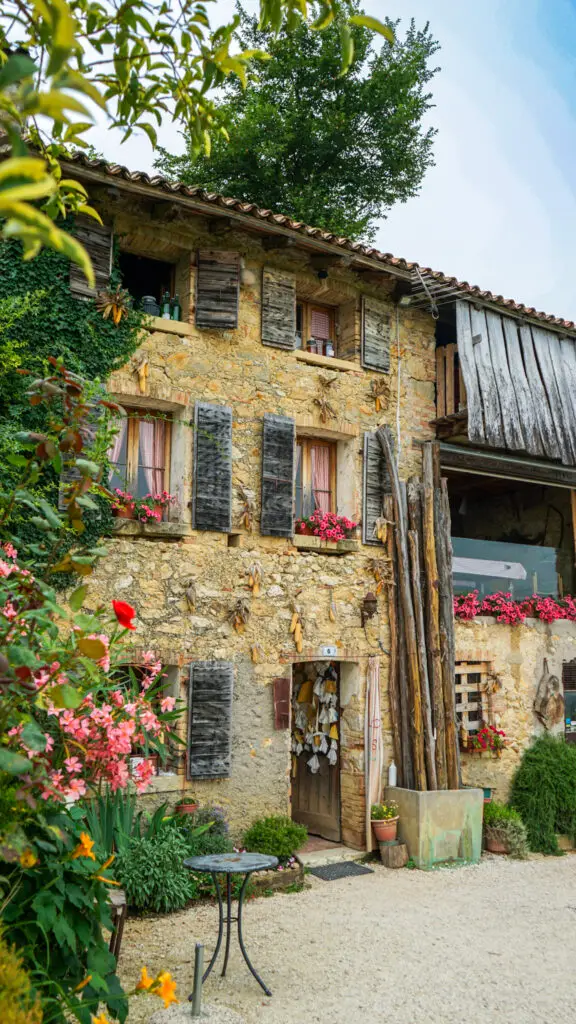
[375, 335]
[212, 495]
[278, 309]
[376, 483]
[278, 440]
[217, 290]
[97, 240]
[209, 719]
[348, 330]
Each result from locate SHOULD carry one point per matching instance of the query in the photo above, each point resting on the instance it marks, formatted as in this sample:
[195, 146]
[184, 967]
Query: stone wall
[516, 654]
[154, 568]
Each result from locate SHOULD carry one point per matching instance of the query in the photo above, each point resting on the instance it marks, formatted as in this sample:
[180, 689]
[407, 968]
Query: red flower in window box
[326, 526]
[125, 613]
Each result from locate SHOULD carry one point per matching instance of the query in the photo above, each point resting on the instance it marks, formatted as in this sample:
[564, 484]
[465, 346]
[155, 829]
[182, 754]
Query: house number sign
[328, 651]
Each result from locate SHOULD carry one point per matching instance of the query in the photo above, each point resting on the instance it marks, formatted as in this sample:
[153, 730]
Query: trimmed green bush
[544, 792]
[277, 836]
[152, 873]
[505, 824]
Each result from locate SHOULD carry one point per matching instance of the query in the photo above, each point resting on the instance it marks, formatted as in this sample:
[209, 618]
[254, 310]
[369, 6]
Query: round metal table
[231, 864]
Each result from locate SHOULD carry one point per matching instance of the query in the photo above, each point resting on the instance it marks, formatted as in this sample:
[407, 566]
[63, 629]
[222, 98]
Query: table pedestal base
[229, 921]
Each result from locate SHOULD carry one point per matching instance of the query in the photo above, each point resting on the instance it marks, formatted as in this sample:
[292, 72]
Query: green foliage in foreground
[277, 836]
[544, 792]
[505, 824]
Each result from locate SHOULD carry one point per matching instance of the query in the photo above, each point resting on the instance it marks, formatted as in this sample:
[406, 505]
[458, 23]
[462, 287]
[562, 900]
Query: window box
[325, 547]
[161, 531]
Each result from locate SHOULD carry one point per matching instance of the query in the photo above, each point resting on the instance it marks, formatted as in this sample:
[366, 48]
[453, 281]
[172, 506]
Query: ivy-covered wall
[40, 318]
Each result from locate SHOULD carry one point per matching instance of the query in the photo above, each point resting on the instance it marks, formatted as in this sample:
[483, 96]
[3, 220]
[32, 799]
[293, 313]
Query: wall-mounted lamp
[369, 607]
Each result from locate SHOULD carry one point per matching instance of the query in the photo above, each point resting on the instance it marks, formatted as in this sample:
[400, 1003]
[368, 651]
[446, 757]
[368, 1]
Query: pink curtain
[320, 324]
[116, 448]
[151, 437]
[321, 478]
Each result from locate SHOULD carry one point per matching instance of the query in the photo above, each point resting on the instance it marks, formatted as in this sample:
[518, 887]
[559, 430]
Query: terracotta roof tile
[282, 220]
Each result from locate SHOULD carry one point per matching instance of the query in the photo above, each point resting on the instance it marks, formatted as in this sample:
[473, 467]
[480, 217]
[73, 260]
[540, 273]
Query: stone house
[259, 403]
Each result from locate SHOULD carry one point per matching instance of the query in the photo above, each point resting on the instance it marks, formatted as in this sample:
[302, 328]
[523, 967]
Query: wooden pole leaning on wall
[433, 616]
[393, 674]
[447, 637]
[415, 540]
[385, 439]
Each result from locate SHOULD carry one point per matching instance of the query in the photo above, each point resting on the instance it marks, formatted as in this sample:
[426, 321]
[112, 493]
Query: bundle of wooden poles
[420, 606]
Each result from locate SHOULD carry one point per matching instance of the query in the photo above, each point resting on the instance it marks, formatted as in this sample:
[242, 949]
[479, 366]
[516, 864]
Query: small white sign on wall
[329, 651]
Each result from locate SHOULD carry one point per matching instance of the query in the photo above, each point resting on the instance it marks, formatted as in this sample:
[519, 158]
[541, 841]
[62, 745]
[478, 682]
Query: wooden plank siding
[520, 383]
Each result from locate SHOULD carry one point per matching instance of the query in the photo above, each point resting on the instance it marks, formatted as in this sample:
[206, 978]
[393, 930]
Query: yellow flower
[102, 1019]
[108, 862]
[28, 859]
[84, 849]
[166, 989]
[109, 881]
[145, 982]
[83, 984]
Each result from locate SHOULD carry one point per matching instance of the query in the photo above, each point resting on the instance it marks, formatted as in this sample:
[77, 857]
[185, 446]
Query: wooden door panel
[316, 798]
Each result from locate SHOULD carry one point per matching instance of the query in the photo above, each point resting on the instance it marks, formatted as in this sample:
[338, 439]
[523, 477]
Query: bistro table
[231, 864]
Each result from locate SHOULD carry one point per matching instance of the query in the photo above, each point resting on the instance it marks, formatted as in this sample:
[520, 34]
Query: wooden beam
[446, 628]
[393, 673]
[414, 493]
[385, 440]
[441, 382]
[330, 260]
[270, 242]
[450, 379]
[433, 616]
[472, 460]
[219, 225]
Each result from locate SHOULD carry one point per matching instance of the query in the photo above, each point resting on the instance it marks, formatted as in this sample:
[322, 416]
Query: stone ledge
[325, 547]
[157, 323]
[330, 362]
[159, 531]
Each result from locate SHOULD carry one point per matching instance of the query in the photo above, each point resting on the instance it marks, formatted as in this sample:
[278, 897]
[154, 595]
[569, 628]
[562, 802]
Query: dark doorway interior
[144, 276]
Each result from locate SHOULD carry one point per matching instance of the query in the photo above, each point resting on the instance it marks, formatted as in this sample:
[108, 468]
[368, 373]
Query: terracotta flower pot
[305, 531]
[187, 808]
[385, 829]
[127, 512]
[496, 845]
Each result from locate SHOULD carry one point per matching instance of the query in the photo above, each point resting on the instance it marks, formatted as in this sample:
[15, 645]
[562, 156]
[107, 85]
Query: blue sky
[499, 207]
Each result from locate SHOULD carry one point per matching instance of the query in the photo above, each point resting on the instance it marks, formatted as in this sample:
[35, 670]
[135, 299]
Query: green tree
[333, 150]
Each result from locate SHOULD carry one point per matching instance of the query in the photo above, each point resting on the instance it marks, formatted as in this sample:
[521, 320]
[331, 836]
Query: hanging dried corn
[247, 512]
[297, 627]
[255, 578]
[379, 389]
[381, 571]
[257, 653]
[332, 615]
[239, 615]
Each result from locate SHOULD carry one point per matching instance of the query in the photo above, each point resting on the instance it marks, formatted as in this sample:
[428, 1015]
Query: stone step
[332, 855]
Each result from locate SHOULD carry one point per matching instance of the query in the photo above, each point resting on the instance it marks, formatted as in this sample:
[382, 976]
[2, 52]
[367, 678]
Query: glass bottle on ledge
[165, 306]
[176, 309]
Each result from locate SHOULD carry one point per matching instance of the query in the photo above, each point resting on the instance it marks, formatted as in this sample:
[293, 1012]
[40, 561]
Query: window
[145, 277]
[315, 476]
[472, 697]
[315, 328]
[140, 455]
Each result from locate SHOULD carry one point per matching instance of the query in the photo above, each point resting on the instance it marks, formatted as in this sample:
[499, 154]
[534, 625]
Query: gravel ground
[494, 942]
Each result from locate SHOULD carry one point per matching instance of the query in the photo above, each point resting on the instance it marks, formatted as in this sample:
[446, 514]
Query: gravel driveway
[496, 942]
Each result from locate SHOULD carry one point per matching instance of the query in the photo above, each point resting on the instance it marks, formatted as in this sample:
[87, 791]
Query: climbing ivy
[39, 317]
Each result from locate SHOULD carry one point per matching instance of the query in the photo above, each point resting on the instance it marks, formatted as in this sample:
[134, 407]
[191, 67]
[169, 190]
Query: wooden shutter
[278, 439]
[209, 719]
[348, 330]
[212, 496]
[282, 688]
[97, 240]
[278, 309]
[217, 290]
[375, 335]
[376, 483]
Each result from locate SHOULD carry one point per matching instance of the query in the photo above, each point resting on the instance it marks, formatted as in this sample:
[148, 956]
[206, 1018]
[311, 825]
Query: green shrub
[152, 873]
[277, 836]
[544, 792]
[505, 824]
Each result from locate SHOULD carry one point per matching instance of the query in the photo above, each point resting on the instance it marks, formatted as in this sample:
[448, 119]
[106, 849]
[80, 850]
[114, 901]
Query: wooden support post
[440, 382]
[433, 617]
[447, 638]
[422, 660]
[384, 436]
[393, 675]
[450, 379]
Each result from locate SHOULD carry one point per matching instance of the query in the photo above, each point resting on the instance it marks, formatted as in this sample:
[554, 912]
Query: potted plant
[326, 526]
[145, 512]
[384, 818]
[160, 502]
[488, 739]
[187, 805]
[123, 504]
[504, 830]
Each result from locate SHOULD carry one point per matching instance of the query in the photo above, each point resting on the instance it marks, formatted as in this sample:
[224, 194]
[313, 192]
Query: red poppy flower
[124, 612]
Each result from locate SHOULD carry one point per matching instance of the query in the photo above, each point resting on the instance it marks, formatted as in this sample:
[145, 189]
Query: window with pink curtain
[117, 455]
[151, 440]
[320, 466]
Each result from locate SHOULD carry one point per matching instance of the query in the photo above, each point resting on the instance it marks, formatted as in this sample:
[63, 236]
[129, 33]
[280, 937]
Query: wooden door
[316, 798]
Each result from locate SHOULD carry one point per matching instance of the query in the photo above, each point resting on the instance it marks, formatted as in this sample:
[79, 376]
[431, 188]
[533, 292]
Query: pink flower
[73, 765]
[76, 789]
[167, 704]
[9, 612]
[143, 773]
[6, 569]
[117, 698]
[10, 550]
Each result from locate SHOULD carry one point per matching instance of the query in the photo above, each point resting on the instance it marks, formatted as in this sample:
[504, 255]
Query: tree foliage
[139, 62]
[332, 150]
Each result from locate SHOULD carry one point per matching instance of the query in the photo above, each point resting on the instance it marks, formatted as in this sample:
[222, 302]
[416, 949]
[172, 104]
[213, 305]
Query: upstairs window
[140, 455]
[315, 328]
[315, 476]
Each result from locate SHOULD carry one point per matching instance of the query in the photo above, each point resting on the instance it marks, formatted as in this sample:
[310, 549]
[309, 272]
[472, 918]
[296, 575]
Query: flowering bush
[326, 525]
[164, 499]
[506, 609]
[147, 509]
[122, 500]
[383, 812]
[488, 738]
